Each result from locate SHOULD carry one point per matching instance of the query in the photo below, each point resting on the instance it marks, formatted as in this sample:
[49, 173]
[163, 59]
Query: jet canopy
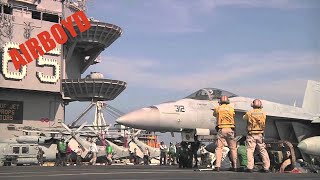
[210, 94]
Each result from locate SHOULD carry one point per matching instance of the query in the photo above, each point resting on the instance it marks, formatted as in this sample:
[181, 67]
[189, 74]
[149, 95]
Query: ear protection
[224, 99]
[256, 104]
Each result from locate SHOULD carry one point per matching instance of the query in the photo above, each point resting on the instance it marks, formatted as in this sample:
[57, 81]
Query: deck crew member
[40, 156]
[69, 152]
[62, 150]
[109, 155]
[94, 150]
[163, 154]
[79, 158]
[242, 154]
[182, 155]
[226, 131]
[146, 155]
[135, 156]
[256, 121]
[172, 153]
[287, 165]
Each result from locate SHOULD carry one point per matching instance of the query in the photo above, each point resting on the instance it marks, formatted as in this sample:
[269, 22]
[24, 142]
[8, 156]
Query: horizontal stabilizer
[316, 120]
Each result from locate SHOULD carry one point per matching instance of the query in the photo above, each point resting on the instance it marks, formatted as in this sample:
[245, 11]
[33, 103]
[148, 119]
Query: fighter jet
[193, 115]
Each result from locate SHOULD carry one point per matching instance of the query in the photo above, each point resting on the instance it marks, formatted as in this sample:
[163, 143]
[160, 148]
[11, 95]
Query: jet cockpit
[210, 94]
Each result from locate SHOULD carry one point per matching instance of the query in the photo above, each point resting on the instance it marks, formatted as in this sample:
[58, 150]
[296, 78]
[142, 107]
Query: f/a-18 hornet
[193, 116]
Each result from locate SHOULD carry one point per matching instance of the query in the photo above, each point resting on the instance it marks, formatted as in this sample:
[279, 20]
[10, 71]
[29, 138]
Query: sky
[172, 48]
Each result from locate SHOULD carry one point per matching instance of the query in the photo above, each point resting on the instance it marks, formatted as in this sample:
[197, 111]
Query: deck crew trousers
[226, 135]
[94, 158]
[252, 141]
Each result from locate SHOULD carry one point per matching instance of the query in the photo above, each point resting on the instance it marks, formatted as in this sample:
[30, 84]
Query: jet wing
[288, 115]
[277, 110]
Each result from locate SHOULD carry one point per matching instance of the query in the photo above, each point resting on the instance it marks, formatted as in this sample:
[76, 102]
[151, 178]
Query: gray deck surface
[133, 172]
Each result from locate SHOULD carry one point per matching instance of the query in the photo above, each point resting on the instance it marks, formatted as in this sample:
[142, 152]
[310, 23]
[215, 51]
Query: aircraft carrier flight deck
[134, 172]
[37, 140]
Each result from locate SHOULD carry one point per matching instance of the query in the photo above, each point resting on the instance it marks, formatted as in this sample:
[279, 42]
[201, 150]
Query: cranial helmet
[224, 100]
[256, 104]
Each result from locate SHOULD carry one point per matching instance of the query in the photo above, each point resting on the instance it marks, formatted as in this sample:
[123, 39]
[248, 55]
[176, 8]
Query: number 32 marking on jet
[179, 108]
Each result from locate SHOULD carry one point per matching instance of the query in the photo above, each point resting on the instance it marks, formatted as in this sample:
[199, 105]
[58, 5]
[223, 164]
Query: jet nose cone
[124, 120]
[144, 118]
[302, 146]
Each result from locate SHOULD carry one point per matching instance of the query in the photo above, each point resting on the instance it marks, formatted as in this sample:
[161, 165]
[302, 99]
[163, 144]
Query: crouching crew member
[242, 154]
[226, 132]
[287, 165]
[256, 120]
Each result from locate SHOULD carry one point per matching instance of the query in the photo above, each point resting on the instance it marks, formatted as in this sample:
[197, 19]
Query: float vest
[172, 149]
[242, 155]
[62, 147]
[256, 121]
[109, 150]
[225, 116]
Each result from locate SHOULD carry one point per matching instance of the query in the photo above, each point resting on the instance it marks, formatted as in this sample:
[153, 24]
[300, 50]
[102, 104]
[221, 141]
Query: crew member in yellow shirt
[256, 122]
[226, 131]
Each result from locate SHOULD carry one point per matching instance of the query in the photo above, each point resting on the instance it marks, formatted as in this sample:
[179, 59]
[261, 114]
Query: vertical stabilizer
[311, 101]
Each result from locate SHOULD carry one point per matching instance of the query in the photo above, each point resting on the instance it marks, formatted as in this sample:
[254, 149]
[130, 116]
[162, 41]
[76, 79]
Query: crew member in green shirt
[242, 154]
[62, 150]
[109, 155]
